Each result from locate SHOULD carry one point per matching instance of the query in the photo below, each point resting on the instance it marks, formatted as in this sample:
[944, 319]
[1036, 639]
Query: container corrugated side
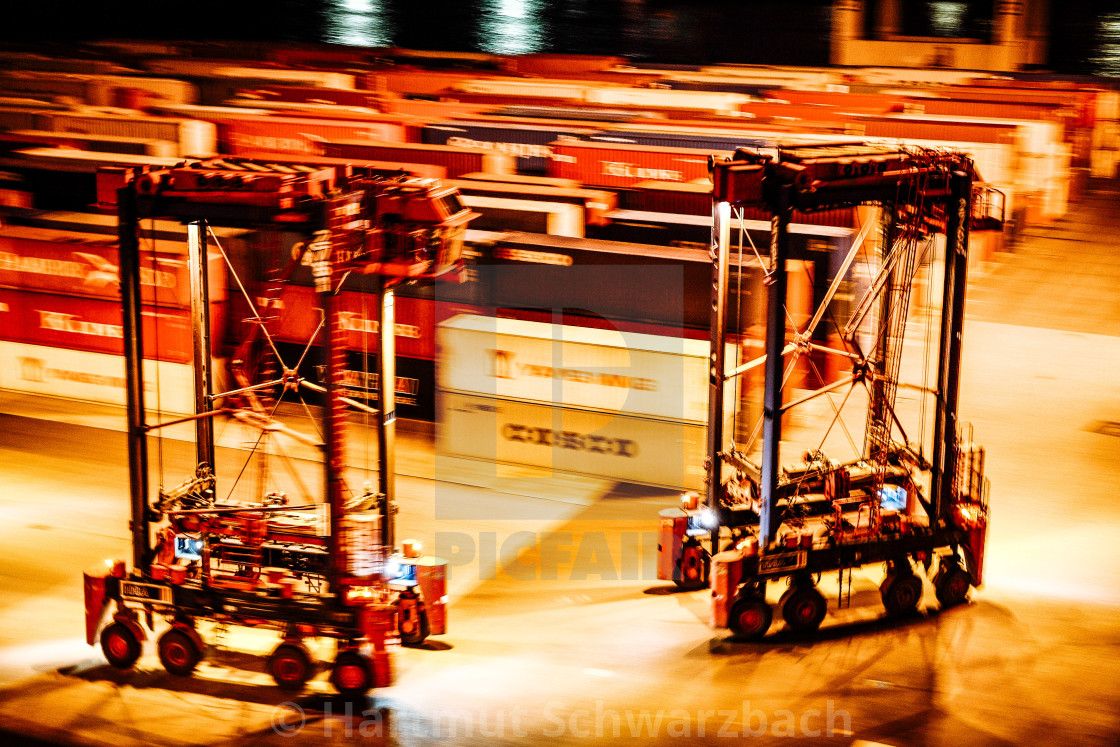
[680, 139]
[87, 264]
[559, 65]
[98, 90]
[525, 88]
[314, 78]
[21, 118]
[74, 87]
[456, 160]
[102, 143]
[42, 63]
[309, 94]
[432, 109]
[908, 129]
[195, 138]
[414, 81]
[665, 99]
[94, 325]
[93, 377]
[594, 203]
[270, 136]
[696, 199]
[598, 369]
[415, 321]
[504, 214]
[559, 440]
[624, 165]
[529, 144]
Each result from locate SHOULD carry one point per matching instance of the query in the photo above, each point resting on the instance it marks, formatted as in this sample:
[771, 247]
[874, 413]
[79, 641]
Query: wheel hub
[288, 669]
[177, 654]
[118, 646]
[351, 676]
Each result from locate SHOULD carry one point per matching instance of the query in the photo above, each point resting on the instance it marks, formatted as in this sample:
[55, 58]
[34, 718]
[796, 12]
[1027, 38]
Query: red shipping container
[561, 65]
[273, 136]
[406, 80]
[415, 321]
[92, 325]
[917, 129]
[82, 264]
[696, 199]
[609, 165]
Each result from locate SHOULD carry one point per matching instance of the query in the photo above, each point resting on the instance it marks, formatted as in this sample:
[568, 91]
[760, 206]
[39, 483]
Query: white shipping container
[313, 78]
[185, 66]
[71, 159]
[164, 89]
[720, 103]
[786, 77]
[601, 444]
[195, 137]
[524, 87]
[560, 218]
[93, 377]
[578, 367]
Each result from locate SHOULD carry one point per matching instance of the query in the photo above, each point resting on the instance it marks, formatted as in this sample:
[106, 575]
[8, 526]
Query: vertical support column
[334, 434]
[133, 330]
[879, 422]
[1009, 36]
[775, 342]
[387, 410]
[888, 19]
[945, 458]
[847, 27]
[719, 254]
[200, 324]
[327, 254]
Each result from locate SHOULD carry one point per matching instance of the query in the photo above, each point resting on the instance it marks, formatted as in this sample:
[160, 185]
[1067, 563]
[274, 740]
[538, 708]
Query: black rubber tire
[952, 585]
[351, 673]
[178, 652]
[750, 618]
[804, 609]
[901, 593]
[120, 645]
[421, 632]
[290, 667]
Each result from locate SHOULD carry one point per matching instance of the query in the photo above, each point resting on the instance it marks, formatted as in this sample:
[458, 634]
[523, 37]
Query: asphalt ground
[558, 629]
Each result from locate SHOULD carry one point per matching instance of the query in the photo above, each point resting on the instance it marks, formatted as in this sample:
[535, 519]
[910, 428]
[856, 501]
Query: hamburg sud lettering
[503, 366]
[72, 323]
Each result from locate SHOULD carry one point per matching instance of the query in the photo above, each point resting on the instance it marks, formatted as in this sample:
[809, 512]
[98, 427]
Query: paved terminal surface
[558, 629]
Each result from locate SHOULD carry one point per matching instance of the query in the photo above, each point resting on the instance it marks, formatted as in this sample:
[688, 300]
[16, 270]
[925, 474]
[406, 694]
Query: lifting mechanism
[305, 569]
[913, 492]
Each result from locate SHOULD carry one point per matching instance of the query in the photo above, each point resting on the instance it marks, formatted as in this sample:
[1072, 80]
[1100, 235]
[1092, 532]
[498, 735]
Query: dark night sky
[684, 31]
